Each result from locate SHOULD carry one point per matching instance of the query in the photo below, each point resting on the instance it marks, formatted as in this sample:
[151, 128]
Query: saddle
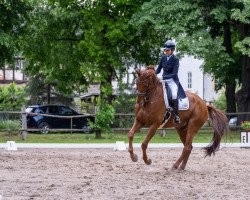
[183, 103]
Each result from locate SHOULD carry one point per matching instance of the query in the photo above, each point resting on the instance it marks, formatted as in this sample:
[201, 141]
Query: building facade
[194, 79]
[9, 74]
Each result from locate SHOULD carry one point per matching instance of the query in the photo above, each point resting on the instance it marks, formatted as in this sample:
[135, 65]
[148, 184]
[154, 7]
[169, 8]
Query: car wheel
[45, 126]
[86, 128]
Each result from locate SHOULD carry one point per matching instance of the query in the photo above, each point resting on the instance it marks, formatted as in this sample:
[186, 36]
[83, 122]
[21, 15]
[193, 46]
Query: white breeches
[173, 87]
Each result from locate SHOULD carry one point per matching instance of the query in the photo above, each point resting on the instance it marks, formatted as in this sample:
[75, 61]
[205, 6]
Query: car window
[53, 110]
[41, 110]
[29, 110]
[67, 111]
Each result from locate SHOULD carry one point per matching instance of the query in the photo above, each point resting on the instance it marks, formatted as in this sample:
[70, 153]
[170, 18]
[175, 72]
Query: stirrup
[177, 119]
[166, 116]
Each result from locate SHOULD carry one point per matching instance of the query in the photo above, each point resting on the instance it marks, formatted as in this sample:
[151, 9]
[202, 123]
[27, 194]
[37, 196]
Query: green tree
[204, 29]
[51, 45]
[40, 92]
[13, 17]
[241, 19]
[110, 40]
[75, 43]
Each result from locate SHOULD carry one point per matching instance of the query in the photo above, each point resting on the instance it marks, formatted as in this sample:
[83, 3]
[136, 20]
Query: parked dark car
[232, 123]
[49, 122]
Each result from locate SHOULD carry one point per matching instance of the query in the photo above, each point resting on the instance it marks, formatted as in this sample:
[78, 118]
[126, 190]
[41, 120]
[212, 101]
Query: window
[41, 110]
[189, 80]
[19, 64]
[53, 110]
[67, 111]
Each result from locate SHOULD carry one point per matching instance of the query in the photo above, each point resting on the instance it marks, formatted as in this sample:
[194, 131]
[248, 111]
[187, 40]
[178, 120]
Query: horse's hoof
[148, 162]
[134, 157]
[181, 168]
[174, 168]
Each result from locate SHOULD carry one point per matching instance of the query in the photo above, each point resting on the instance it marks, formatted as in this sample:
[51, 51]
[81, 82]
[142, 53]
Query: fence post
[71, 124]
[163, 133]
[24, 124]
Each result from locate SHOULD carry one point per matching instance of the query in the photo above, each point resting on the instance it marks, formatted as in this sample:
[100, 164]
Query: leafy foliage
[104, 117]
[242, 15]
[245, 124]
[197, 26]
[12, 97]
[75, 43]
[212, 30]
[124, 103]
[13, 15]
[53, 33]
[220, 103]
[10, 124]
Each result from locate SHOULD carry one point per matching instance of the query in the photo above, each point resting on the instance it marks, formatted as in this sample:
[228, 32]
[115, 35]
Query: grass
[204, 136]
[9, 124]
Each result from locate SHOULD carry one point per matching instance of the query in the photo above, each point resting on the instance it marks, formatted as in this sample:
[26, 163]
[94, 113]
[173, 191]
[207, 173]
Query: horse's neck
[156, 89]
[145, 105]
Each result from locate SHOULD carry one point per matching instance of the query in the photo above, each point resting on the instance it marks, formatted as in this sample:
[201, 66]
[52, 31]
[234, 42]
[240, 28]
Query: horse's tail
[220, 125]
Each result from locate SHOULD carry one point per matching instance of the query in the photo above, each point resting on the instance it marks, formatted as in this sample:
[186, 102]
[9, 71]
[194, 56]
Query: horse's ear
[151, 67]
[138, 72]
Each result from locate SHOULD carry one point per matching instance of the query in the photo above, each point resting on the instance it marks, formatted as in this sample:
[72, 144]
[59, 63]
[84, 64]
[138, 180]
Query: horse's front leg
[144, 146]
[136, 127]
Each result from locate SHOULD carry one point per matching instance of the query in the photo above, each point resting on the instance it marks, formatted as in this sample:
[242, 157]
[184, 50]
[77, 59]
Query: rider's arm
[159, 67]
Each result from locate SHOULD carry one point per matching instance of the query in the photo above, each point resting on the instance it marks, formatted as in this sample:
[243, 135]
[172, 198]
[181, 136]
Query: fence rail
[123, 121]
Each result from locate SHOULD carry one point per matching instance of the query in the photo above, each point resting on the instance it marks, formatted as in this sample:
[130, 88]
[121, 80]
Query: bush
[10, 124]
[104, 117]
[12, 97]
[124, 103]
[245, 124]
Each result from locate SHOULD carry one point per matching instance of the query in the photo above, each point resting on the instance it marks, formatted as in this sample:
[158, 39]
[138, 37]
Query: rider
[170, 64]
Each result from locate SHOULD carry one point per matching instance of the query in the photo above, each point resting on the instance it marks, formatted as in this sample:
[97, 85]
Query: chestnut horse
[150, 110]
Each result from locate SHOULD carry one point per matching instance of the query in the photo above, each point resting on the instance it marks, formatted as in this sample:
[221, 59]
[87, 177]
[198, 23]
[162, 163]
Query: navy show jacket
[170, 70]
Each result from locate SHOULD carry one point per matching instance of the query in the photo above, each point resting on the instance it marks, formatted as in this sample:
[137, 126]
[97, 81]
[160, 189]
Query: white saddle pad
[183, 103]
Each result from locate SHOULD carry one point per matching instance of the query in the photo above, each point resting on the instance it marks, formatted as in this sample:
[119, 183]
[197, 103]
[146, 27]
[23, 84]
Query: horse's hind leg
[193, 126]
[136, 127]
[182, 134]
[144, 146]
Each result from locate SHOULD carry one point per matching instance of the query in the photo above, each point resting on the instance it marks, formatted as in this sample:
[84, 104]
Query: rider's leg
[174, 90]
[176, 111]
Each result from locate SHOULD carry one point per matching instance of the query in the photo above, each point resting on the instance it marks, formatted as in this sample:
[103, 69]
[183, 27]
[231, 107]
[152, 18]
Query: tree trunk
[48, 93]
[98, 134]
[230, 98]
[230, 84]
[107, 95]
[109, 81]
[243, 95]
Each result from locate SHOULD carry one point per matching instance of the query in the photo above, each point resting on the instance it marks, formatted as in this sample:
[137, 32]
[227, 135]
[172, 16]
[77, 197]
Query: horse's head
[146, 80]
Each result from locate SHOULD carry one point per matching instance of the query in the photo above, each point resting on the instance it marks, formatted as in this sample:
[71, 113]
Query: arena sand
[72, 174]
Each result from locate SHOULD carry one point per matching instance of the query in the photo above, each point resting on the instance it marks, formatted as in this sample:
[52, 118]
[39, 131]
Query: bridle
[145, 94]
[145, 82]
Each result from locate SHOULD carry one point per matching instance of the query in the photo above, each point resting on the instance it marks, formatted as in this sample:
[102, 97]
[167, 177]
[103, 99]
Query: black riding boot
[176, 111]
